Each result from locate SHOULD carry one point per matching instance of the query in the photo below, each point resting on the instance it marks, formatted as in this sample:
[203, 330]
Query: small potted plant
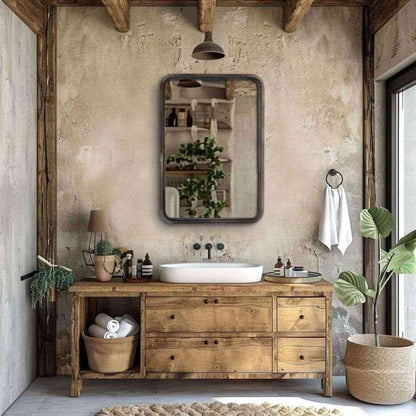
[104, 261]
[379, 369]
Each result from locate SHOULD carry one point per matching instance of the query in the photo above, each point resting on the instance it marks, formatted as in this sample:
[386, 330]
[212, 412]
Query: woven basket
[380, 375]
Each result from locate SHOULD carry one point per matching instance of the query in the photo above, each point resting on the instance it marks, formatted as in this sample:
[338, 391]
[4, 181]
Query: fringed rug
[215, 409]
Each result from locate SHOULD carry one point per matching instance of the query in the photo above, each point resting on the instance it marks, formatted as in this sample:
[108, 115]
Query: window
[401, 138]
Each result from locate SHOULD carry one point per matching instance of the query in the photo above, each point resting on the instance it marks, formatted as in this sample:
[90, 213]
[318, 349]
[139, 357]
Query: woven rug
[214, 409]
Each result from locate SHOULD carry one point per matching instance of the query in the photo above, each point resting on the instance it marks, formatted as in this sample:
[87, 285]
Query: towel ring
[334, 172]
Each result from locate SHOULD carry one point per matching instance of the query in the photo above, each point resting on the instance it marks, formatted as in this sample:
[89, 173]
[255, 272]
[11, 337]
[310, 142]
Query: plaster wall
[108, 135]
[18, 205]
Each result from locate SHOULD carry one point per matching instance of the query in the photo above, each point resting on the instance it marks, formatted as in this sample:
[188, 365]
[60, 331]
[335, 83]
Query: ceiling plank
[32, 12]
[119, 10]
[206, 15]
[221, 3]
[382, 11]
[294, 12]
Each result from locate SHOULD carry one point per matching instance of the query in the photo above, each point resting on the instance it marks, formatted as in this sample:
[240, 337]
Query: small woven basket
[380, 375]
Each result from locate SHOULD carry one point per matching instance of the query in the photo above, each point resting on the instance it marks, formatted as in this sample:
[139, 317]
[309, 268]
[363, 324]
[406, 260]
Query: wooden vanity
[216, 331]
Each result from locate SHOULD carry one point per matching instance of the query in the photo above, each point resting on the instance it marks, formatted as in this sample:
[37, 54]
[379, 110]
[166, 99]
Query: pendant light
[208, 50]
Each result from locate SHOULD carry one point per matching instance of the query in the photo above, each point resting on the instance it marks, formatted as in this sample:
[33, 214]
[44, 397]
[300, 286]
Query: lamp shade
[98, 222]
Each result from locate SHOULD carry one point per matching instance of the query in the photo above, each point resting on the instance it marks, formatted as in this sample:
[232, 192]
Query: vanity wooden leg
[76, 382]
[327, 385]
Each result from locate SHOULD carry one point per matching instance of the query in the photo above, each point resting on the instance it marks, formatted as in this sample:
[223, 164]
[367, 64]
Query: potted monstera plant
[379, 369]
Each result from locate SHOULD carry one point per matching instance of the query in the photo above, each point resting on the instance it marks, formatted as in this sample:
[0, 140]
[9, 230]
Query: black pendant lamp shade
[208, 50]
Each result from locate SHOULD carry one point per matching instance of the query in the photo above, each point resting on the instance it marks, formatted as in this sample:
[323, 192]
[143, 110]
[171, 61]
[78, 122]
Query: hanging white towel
[213, 124]
[98, 332]
[107, 322]
[335, 227]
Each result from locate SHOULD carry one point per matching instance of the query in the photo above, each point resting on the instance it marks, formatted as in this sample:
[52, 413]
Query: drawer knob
[216, 342]
[172, 357]
[301, 357]
[301, 317]
[206, 342]
[172, 317]
[206, 301]
[216, 301]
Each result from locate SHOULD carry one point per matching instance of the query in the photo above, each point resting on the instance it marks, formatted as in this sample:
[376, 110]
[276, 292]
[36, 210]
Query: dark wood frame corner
[260, 149]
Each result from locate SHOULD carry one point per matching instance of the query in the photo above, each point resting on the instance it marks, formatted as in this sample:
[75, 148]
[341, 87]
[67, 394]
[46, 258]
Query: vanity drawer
[209, 355]
[301, 355]
[301, 314]
[209, 314]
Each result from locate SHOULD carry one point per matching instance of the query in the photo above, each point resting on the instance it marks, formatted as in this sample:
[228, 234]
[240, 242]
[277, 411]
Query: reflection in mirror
[212, 148]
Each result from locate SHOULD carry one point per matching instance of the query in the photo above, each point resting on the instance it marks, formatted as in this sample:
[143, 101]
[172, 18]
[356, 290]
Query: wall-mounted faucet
[208, 246]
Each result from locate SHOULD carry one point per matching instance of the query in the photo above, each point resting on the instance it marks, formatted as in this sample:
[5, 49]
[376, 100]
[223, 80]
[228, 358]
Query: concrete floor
[50, 396]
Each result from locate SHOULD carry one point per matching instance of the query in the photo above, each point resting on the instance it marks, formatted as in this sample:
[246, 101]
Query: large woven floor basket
[380, 375]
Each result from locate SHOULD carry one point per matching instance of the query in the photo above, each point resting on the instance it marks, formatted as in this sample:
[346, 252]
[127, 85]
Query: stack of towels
[109, 328]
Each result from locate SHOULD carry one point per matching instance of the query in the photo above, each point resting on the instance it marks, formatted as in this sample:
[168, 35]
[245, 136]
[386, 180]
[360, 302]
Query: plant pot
[104, 267]
[380, 375]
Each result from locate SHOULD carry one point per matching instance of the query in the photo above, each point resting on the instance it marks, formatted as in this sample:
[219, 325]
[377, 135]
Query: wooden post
[119, 10]
[294, 12]
[369, 254]
[206, 15]
[46, 183]
[76, 382]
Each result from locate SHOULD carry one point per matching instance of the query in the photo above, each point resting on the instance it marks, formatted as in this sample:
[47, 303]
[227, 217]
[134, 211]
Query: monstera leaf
[352, 288]
[408, 241]
[375, 222]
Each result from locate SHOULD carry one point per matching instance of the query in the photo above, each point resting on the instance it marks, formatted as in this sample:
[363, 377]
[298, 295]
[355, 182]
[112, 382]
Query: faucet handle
[220, 246]
[197, 246]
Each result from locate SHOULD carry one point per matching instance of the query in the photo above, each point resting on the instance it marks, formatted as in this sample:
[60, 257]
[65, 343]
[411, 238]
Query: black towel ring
[334, 172]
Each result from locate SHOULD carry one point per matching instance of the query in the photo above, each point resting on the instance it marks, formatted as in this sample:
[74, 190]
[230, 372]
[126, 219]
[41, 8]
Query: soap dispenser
[288, 269]
[147, 268]
[279, 267]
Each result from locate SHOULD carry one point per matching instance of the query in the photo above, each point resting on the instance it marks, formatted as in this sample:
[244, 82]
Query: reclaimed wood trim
[232, 376]
[143, 335]
[369, 246]
[382, 11]
[76, 381]
[30, 11]
[206, 15]
[327, 381]
[221, 3]
[116, 288]
[119, 11]
[46, 183]
[294, 12]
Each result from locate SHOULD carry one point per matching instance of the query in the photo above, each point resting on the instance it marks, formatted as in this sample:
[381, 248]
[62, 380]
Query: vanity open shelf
[216, 331]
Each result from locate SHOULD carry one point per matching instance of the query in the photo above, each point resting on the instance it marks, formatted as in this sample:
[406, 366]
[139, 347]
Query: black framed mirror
[211, 148]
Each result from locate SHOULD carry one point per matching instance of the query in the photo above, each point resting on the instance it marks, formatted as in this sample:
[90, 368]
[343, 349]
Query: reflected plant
[191, 156]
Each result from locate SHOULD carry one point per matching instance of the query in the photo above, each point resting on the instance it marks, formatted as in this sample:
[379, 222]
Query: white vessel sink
[211, 273]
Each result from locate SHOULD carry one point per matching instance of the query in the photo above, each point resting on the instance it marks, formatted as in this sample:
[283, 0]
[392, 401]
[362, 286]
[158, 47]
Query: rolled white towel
[107, 322]
[126, 327]
[131, 321]
[97, 332]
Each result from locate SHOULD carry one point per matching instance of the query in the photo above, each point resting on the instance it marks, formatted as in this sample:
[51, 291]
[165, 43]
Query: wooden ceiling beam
[221, 3]
[119, 10]
[32, 12]
[294, 12]
[206, 15]
[382, 11]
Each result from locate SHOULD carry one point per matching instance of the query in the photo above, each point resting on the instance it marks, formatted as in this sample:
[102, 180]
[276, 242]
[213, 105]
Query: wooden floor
[50, 396]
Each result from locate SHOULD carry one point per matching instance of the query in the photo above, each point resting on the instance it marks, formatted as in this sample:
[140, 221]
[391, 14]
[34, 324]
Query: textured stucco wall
[18, 205]
[108, 132]
[395, 42]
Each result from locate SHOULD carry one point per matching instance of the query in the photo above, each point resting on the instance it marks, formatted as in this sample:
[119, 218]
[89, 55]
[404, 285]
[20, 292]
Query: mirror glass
[212, 148]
